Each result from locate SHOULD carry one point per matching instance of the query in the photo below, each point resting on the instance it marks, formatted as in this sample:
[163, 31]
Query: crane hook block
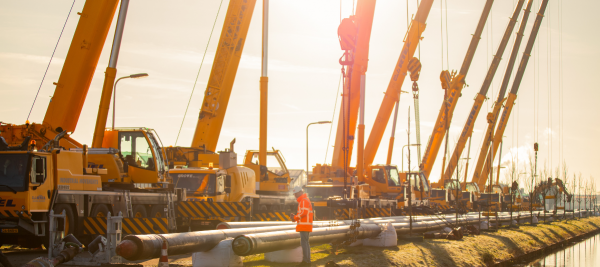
[414, 67]
[347, 34]
[445, 79]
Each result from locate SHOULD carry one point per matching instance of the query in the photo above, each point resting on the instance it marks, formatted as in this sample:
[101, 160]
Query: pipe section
[140, 247]
[266, 242]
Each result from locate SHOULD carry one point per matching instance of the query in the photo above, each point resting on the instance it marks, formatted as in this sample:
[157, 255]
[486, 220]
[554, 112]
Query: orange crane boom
[453, 85]
[363, 19]
[222, 75]
[512, 95]
[392, 94]
[468, 128]
[498, 104]
[75, 78]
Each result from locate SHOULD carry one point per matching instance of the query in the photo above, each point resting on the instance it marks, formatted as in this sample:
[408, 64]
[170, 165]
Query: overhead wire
[549, 80]
[50, 62]
[198, 74]
[334, 104]
[447, 43]
[332, 118]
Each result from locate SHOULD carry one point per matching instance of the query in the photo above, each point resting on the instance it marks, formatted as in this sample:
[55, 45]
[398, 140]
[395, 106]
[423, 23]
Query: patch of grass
[487, 257]
[482, 250]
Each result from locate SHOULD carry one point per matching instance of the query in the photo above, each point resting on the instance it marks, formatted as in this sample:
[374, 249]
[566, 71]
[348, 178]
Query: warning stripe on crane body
[7, 214]
[271, 216]
[344, 214]
[377, 212]
[94, 225]
[138, 226]
[203, 209]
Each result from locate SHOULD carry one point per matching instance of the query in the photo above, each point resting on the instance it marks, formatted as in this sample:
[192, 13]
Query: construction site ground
[487, 249]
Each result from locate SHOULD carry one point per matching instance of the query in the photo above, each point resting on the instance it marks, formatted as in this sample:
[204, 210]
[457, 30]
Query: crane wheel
[158, 211]
[100, 210]
[139, 211]
[68, 224]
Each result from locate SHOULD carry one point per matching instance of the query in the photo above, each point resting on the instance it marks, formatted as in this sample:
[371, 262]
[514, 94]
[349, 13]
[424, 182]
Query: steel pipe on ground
[273, 241]
[140, 247]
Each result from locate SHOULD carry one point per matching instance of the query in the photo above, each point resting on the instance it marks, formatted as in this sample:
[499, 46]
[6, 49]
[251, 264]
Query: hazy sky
[167, 39]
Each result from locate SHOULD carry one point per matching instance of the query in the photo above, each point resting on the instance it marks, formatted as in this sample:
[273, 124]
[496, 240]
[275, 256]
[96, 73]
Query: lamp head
[138, 75]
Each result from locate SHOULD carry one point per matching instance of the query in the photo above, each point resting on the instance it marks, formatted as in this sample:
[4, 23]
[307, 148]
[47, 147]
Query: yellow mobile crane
[453, 85]
[482, 169]
[63, 175]
[376, 184]
[482, 177]
[335, 181]
[470, 191]
[273, 179]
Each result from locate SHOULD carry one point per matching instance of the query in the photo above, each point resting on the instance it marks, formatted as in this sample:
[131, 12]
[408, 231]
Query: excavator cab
[141, 150]
[274, 178]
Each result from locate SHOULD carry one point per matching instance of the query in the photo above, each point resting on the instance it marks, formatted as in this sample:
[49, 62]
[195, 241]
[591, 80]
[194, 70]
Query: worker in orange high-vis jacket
[304, 220]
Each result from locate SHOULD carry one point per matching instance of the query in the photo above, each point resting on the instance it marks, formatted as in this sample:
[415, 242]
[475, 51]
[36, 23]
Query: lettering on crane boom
[403, 55]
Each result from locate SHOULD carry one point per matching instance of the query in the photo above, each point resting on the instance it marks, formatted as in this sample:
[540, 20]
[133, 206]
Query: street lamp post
[132, 76]
[403, 153]
[319, 122]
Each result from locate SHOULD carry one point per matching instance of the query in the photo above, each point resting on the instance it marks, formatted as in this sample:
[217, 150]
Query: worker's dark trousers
[305, 246]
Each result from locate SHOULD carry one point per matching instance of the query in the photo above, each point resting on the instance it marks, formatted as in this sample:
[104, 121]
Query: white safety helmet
[297, 189]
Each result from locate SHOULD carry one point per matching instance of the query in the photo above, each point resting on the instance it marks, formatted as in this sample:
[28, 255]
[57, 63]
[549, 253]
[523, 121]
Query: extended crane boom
[222, 75]
[512, 95]
[392, 94]
[453, 85]
[75, 78]
[344, 139]
[498, 104]
[468, 128]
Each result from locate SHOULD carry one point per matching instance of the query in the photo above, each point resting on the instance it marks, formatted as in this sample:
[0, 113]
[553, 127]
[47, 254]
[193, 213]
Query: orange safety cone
[164, 260]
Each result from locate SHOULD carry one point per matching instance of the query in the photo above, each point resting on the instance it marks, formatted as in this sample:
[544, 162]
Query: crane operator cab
[389, 183]
[141, 151]
[274, 178]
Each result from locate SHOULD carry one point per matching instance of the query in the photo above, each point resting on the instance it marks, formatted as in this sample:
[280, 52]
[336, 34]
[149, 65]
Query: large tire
[139, 211]
[157, 211]
[100, 210]
[70, 225]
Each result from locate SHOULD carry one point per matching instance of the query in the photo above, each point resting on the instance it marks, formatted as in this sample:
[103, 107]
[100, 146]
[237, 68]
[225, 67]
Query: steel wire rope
[549, 81]
[198, 74]
[332, 119]
[447, 43]
[334, 104]
[561, 80]
[51, 57]
[442, 30]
